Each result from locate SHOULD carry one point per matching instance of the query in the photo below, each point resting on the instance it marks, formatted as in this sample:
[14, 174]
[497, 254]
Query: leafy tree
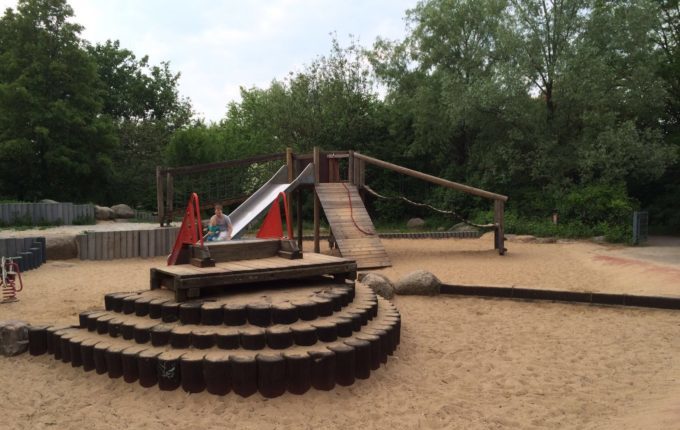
[144, 104]
[53, 142]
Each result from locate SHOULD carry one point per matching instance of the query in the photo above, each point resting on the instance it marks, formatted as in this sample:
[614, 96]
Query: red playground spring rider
[10, 274]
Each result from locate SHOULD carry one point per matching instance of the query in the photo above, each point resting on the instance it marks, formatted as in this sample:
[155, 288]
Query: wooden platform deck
[187, 280]
[362, 246]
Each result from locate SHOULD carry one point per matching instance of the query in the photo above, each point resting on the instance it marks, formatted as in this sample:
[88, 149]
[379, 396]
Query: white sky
[220, 45]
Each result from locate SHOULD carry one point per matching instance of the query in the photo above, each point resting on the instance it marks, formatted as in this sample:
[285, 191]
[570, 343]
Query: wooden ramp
[351, 225]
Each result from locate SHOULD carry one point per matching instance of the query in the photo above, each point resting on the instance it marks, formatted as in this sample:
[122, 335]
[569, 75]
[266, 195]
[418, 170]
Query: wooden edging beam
[595, 298]
[434, 179]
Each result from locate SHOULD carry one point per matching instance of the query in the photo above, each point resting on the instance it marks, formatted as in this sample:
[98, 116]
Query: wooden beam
[350, 168]
[434, 179]
[298, 216]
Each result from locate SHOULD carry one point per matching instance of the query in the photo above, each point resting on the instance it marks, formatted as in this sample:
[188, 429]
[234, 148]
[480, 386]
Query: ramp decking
[351, 225]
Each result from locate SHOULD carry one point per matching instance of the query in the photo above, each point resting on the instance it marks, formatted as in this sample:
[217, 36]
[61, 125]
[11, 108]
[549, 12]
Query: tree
[53, 142]
[145, 107]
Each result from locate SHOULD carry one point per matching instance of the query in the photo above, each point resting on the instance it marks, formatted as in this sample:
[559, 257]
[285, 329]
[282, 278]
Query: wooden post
[291, 175]
[298, 215]
[350, 168]
[169, 190]
[499, 233]
[317, 203]
[159, 195]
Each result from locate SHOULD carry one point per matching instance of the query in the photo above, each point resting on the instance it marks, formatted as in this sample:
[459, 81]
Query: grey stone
[599, 239]
[103, 213]
[461, 226]
[420, 282]
[13, 337]
[546, 240]
[61, 247]
[48, 201]
[123, 211]
[521, 238]
[379, 284]
[415, 223]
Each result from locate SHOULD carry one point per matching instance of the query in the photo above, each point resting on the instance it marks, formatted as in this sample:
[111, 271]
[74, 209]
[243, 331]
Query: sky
[221, 45]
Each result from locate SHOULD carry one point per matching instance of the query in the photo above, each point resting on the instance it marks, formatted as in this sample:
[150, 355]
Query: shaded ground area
[463, 362]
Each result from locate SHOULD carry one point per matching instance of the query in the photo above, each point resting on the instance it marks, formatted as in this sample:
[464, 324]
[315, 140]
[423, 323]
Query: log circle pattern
[334, 335]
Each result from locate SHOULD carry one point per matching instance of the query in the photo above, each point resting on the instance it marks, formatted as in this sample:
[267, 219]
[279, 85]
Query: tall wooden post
[350, 168]
[317, 203]
[291, 176]
[298, 204]
[159, 195]
[169, 190]
[498, 219]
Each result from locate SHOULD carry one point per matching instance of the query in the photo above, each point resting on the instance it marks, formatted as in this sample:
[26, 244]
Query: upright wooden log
[298, 372]
[147, 367]
[317, 202]
[217, 373]
[114, 361]
[169, 377]
[191, 372]
[37, 340]
[345, 364]
[243, 374]
[499, 233]
[323, 369]
[159, 195]
[271, 375]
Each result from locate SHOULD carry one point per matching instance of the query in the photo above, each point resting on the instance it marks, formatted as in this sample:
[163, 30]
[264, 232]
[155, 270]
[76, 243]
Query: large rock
[103, 213]
[379, 284]
[415, 223]
[61, 247]
[48, 201]
[420, 282]
[13, 337]
[123, 211]
[461, 226]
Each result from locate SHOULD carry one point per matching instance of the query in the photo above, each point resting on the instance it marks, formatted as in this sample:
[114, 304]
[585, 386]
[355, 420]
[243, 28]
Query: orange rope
[351, 213]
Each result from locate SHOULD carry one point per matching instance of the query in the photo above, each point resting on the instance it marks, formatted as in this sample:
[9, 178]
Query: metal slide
[261, 199]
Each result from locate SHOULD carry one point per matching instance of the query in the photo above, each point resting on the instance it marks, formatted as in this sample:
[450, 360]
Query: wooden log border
[595, 298]
[109, 245]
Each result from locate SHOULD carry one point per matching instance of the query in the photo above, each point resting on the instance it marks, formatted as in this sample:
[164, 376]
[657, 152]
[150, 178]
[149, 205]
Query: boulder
[461, 226]
[546, 240]
[599, 239]
[123, 211]
[379, 284]
[48, 201]
[103, 213]
[415, 223]
[61, 247]
[13, 337]
[521, 238]
[420, 282]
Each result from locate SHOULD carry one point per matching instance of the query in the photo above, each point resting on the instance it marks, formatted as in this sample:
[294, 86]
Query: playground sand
[463, 362]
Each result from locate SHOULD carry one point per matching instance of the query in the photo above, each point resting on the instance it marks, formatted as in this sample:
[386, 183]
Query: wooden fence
[109, 245]
[44, 213]
[28, 252]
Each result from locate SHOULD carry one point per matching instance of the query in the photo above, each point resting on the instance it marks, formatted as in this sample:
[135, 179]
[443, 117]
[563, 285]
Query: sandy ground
[463, 362]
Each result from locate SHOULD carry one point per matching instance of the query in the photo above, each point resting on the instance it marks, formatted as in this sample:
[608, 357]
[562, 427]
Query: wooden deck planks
[184, 277]
[366, 249]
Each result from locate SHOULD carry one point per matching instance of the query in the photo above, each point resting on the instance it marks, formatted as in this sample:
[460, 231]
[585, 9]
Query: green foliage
[51, 133]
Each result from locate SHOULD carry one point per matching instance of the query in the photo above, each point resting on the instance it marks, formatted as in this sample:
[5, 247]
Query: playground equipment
[10, 272]
[338, 193]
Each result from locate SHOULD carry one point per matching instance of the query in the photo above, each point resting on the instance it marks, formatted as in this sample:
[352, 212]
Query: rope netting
[228, 186]
[400, 189]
